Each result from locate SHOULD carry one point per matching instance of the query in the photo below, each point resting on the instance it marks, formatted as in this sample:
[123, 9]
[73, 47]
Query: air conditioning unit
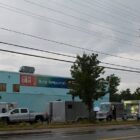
[27, 69]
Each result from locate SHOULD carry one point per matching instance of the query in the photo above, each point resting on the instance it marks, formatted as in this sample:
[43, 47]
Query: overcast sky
[107, 26]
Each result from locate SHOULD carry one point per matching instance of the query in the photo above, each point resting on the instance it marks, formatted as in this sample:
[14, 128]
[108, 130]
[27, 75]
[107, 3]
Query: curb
[61, 130]
[24, 132]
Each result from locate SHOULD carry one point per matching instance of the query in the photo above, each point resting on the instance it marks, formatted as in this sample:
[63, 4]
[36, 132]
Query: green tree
[136, 95]
[86, 73]
[126, 94]
[114, 82]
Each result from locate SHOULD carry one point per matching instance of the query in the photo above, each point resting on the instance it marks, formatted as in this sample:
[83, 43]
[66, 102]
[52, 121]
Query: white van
[106, 111]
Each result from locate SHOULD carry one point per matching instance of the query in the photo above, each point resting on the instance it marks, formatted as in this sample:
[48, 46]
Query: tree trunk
[90, 109]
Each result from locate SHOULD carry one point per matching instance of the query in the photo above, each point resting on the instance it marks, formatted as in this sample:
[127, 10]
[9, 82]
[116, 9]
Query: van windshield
[105, 107]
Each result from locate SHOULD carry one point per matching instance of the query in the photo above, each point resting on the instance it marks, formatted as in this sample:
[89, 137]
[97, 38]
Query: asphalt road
[111, 133]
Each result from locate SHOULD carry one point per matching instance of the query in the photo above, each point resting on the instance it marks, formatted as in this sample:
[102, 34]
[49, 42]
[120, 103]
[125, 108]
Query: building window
[16, 88]
[2, 87]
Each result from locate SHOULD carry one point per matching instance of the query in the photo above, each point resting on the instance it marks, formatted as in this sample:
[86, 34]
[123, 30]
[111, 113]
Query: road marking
[120, 138]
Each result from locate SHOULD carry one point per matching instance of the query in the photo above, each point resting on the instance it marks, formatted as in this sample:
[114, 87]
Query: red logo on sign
[28, 80]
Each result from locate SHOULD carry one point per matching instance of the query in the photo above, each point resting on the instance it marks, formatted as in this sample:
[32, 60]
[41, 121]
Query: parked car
[23, 115]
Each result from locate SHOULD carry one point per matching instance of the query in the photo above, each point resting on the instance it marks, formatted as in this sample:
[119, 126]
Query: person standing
[114, 112]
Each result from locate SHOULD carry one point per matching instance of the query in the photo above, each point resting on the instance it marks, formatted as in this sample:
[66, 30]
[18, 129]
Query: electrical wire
[30, 48]
[89, 6]
[81, 29]
[51, 20]
[63, 24]
[46, 51]
[68, 45]
[128, 8]
[32, 55]
[78, 18]
[127, 13]
[50, 58]
[85, 13]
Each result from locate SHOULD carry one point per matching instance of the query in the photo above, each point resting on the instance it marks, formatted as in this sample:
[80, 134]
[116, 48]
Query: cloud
[90, 36]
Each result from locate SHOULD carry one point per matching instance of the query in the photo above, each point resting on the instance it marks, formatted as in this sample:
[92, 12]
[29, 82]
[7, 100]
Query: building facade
[35, 91]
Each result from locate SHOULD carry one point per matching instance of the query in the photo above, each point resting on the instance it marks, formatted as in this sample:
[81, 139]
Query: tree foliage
[86, 73]
[126, 94]
[136, 94]
[114, 82]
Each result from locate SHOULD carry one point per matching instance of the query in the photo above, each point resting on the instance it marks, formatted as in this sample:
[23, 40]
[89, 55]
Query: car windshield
[105, 107]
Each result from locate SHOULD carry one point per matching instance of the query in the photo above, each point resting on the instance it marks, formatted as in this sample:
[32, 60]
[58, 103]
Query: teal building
[35, 91]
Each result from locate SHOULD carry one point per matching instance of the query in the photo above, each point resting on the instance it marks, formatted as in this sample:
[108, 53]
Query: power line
[83, 13]
[50, 58]
[32, 55]
[30, 48]
[127, 7]
[126, 12]
[121, 69]
[119, 65]
[63, 24]
[58, 11]
[68, 45]
[47, 19]
[107, 13]
[81, 29]
[77, 18]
